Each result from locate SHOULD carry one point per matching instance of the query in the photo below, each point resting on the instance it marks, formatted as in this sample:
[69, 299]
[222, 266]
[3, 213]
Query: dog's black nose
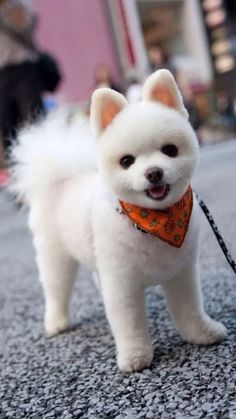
[154, 175]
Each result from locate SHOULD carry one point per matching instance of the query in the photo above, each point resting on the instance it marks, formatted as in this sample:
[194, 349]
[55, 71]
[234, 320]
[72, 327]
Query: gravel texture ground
[74, 375]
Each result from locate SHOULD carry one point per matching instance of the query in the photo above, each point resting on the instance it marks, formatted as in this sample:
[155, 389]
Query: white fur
[74, 220]
[56, 148]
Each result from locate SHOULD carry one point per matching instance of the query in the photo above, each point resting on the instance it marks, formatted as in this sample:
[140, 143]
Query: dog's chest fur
[106, 235]
[152, 259]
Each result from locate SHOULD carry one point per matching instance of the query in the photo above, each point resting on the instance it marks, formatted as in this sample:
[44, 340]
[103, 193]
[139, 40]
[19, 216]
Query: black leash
[216, 232]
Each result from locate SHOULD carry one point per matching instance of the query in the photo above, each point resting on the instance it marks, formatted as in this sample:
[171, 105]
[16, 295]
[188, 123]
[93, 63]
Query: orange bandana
[170, 225]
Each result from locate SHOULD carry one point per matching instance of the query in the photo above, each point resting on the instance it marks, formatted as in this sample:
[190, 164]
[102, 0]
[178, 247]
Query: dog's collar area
[170, 226]
[121, 212]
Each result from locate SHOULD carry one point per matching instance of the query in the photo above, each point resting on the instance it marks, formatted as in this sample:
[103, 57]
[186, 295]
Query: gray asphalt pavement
[74, 375]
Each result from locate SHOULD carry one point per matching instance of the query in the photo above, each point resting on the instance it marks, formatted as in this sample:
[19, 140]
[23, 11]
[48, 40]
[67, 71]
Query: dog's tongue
[157, 191]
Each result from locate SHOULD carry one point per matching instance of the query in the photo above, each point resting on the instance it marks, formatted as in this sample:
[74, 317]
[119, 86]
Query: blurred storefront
[78, 33]
[175, 25]
[119, 34]
[198, 38]
[220, 19]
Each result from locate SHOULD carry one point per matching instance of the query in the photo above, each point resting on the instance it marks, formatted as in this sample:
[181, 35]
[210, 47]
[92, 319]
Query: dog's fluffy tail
[50, 152]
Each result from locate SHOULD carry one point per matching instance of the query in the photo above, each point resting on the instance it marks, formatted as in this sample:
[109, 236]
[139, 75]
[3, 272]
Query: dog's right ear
[105, 105]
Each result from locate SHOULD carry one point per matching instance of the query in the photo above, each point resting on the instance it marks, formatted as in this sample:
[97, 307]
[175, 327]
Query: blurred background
[56, 52]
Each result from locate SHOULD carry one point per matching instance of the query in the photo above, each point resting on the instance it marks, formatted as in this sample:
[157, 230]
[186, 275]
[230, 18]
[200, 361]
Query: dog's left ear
[105, 106]
[161, 87]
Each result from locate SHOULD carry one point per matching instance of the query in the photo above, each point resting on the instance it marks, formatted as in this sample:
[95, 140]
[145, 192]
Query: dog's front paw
[134, 359]
[207, 332]
[55, 323]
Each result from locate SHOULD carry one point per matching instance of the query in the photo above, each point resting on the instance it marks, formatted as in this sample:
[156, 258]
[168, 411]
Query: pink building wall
[77, 33]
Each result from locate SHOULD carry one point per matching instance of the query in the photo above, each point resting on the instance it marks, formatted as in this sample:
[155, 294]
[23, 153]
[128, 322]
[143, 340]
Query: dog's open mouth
[158, 193]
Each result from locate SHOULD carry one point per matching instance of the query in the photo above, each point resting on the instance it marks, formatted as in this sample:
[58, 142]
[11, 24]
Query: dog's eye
[170, 150]
[127, 161]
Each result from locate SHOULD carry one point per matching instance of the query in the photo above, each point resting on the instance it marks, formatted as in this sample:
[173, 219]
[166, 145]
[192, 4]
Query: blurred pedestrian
[103, 78]
[25, 72]
[225, 110]
[159, 59]
[189, 102]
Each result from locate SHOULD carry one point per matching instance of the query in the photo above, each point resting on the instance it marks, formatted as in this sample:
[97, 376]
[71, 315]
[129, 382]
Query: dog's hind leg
[57, 274]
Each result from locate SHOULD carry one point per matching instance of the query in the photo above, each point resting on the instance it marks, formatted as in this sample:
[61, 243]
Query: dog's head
[147, 152]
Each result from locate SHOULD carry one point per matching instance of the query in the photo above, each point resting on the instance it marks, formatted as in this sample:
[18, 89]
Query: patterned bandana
[170, 225]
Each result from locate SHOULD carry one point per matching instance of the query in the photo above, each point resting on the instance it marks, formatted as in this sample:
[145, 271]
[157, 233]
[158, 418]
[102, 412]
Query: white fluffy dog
[146, 155]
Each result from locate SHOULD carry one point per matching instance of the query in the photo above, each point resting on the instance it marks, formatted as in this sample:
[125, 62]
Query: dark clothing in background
[21, 89]
[25, 72]
[194, 116]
